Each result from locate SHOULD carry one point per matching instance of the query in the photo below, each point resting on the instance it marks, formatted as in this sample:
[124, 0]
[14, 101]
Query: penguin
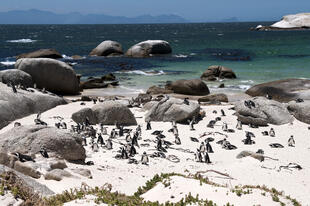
[148, 125]
[211, 124]
[206, 158]
[291, 141]
[14, 88]
[132, 151]
[23, 158]
[17, 124]
[95, 147]
[198, 156]
[191, 124]
[268, 96]
[44, 152]
[113, 133]
[144, 159]
[272, 132]
[224, 127]
[214, 112]
[186, 101]
[223, 113]
[177, 140]
[265, 133]
[124, 153]
[128, 138]
[109, 144]
[239, 125]
[202, 147]
[64, 125]
[100, 140]
[121, 131]
[208, 147]
[175, 130]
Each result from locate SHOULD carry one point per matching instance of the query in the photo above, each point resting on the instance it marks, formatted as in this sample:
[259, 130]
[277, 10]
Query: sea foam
[8, 63]
[22, 41]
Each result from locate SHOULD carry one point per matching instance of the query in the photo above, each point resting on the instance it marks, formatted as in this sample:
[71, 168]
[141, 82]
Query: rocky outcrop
[57, 174]
[263, 112]
[82, 172]
[158, 90]
[30, 139]
[214, 98]
[143, 98]
[17, 105]
[218, 72]
[300, 20]
[107, 48]
[282, 90]
[300, 110]
[110, 112]
[53, 75]
[149, 48]
[108, 77]
[16, 77]
[172, 109]
[96, 83]
[81, 115]
[42, 53]
[188, 87]
[26, 169]
[58, 164]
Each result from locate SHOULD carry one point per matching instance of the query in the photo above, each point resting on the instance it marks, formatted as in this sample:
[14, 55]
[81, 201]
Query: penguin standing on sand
[144, 159]
[109, 144]
[177, 140]
[198, 156]
[291, 141]
[239, 125]
[100, 140]
[191, 124]
[223, 113]
[148, 125]
[272, 132]
[43, 152]
[202, 147]
[225, 127]
[206, 158]
[208, 147]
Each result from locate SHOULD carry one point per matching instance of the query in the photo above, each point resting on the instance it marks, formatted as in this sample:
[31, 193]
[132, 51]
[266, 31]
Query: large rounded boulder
[23, 103]
[53, 75]
[107, 48]
[83, 114]
[300, 110]
[282, 90]
[172, 109]
[16, 77]
[261, 112]
[30, 139]
[218, 72]
[148, 48]
[188, 87]
[42, 53]
[110, 112]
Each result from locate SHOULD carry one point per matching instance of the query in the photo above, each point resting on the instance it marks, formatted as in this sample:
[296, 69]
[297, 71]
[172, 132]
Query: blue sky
[194, 10]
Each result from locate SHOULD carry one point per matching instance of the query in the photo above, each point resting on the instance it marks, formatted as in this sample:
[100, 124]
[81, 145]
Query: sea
[255, 56]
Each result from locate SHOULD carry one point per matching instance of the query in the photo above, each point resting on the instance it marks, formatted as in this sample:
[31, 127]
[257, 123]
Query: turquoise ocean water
[254, 56]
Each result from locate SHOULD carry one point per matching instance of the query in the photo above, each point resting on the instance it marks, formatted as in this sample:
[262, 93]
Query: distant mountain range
[34, 16]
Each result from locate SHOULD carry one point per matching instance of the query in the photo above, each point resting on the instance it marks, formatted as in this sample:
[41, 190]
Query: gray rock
[7, 159]
[23, 103]
[27, 182]
[189, 87]
[26, 169]
[42, 53]
[282, 90]
[265, 112]
[107, 48]
[81, 115]
[147, 106]
[82, 172]
[57, 174]
[30, 139]
[148, 48]
[300, 111]
[216, 71]
[143, 98]
[214, 98]
[53, 75]
[158, 90]
[58, 164]
[110, 112]
[16, 77]
[172, 110]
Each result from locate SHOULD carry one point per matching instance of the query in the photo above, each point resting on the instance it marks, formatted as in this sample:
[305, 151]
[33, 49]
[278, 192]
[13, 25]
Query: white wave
[8, 63]
[192, 54]
[247, 81]
[22, 41]
[66, 57]
[180, 56]
[145, 73]
[138, 91]
[220, 34]
[244, 87]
